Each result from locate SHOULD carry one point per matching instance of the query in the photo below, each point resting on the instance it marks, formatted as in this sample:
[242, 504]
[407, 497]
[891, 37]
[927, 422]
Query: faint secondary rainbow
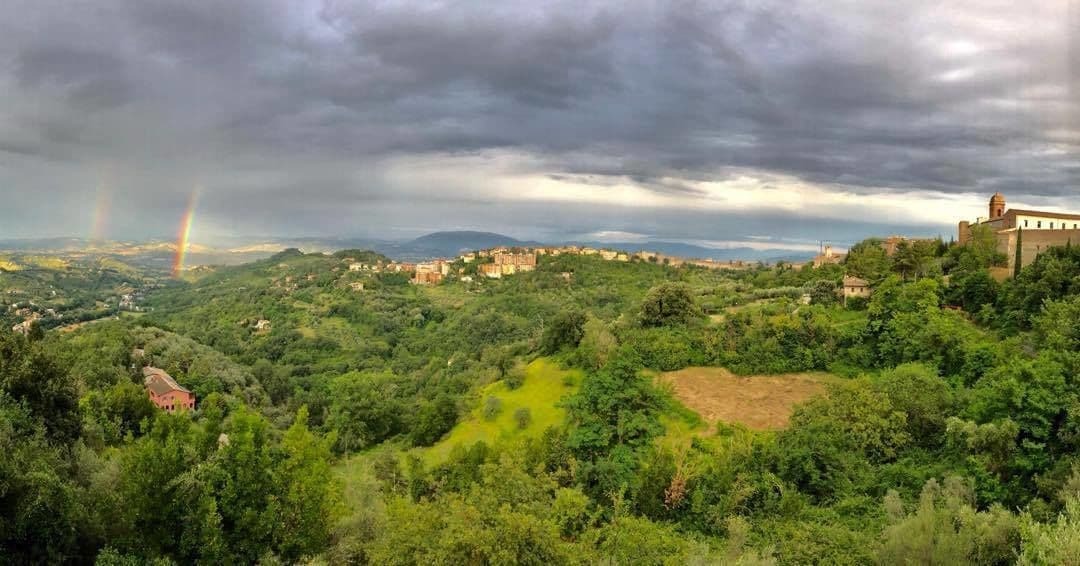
[99, 223]
[183, 240]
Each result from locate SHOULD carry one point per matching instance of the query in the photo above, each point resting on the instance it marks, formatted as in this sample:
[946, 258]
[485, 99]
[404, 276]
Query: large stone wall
[1034, 242]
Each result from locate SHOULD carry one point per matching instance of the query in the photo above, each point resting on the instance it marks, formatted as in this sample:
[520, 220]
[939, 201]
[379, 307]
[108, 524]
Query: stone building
[828, 257]
[1035, 230]
[855, 287]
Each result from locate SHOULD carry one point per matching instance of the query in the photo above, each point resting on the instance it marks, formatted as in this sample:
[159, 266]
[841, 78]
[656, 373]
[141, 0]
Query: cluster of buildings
[829, 256]
[499, 262]
[506, 263]
[1021, 235]
[31, 313]
[1029, 232]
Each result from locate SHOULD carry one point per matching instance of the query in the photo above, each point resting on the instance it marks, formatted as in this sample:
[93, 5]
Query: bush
[492, 407]
[523, 418]
[515, 378]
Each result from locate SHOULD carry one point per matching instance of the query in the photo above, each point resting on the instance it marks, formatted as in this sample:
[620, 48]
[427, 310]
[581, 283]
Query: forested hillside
[523, 419]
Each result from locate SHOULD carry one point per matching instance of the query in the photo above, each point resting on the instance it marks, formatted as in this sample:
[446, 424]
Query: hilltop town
[498, 262]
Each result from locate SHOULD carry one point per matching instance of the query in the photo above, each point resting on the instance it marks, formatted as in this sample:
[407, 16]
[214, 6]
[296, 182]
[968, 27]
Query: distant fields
[543, 388]
[762, 402]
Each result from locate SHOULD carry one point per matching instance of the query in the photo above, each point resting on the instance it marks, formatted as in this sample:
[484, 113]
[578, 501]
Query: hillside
[585, 404]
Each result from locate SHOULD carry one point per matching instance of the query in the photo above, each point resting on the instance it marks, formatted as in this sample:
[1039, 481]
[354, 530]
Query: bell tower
[997, 205]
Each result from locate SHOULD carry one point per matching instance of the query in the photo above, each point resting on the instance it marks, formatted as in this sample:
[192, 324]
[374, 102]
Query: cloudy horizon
[767, 124]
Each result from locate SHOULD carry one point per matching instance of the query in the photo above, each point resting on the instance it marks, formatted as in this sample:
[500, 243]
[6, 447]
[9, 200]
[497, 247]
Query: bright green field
[543, 388]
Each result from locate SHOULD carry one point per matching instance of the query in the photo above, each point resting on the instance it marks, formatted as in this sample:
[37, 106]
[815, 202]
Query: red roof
[160, 382]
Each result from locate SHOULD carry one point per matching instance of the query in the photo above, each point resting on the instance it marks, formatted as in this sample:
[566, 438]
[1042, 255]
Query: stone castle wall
[1034, 242]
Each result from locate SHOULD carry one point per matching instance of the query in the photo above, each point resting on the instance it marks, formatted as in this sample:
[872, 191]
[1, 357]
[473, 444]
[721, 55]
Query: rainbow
[183, 240]
[101, 213]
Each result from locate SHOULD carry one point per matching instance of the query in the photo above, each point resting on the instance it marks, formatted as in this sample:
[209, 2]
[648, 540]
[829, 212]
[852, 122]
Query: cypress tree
[1019, 261]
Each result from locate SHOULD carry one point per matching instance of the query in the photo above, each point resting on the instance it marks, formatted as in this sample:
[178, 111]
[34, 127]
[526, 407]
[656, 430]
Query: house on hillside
[165, 393]
[855, 287]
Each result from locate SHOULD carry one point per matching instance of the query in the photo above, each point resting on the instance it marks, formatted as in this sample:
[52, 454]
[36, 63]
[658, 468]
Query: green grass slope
[545, 384]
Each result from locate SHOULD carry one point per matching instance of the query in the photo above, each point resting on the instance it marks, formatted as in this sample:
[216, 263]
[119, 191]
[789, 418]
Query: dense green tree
[31, 377]
[309, 496]
[118, 411]
[979, 253]
[924, 398]
[972, 290]
[669, 304]
[1054, 275]
[565, 330]
[366, 409]
[868, 260]
[823, 292]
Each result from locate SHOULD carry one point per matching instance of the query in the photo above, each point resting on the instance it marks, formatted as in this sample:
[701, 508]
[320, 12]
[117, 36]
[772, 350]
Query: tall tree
[1018, 261]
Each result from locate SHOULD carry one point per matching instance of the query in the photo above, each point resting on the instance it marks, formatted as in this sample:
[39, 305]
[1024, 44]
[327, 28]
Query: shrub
[515, 378]
[492, 407]
[523, 418]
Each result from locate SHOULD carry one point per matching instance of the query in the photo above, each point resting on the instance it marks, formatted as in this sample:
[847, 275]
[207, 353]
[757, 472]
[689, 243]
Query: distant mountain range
[437, 244]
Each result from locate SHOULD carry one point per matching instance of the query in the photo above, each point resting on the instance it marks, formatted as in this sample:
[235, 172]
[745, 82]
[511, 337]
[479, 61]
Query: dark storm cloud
[277, 107]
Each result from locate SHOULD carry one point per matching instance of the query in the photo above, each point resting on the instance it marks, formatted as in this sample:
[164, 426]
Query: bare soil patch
[761, 402]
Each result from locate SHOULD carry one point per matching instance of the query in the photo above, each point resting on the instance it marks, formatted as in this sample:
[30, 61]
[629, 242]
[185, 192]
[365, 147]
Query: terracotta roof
[1043, 214]
[160, 382]
[850, 281]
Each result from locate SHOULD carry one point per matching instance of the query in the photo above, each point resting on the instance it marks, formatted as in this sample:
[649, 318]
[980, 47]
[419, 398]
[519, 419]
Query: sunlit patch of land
[760, 402]
[545, 385]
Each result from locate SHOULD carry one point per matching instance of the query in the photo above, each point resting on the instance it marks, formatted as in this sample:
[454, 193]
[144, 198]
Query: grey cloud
[299, 105]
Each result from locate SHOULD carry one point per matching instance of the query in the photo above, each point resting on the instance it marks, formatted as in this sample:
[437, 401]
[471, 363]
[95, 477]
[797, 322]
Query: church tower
[997, 205]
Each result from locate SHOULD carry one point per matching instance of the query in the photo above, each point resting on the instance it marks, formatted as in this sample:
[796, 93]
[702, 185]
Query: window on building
[1051, 225]
[1039, 224]
[1026, 222]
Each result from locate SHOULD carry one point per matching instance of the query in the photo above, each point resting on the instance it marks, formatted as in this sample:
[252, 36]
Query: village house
[855, 287]
[608, 255]
[356, 286]
[468, 258]
[1032, 231]
[165, 393]
[262, 325]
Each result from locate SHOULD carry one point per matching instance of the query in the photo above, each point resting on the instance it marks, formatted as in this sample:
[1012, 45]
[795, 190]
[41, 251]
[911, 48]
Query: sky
[771, 123]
